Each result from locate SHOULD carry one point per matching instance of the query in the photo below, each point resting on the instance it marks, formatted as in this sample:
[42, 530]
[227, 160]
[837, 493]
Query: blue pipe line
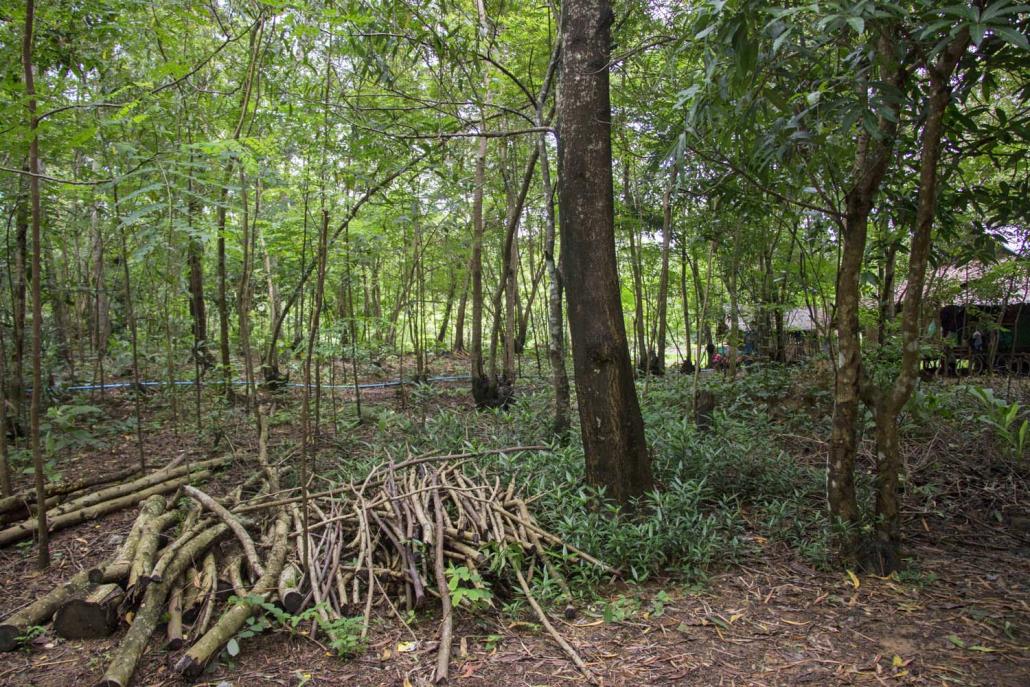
[241, 382]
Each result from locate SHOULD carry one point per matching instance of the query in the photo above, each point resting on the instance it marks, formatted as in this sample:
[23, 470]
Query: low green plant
[344, 634]
[30, 633]
[658, 603]
[619, 609]
[465, 584]
[1004, 419]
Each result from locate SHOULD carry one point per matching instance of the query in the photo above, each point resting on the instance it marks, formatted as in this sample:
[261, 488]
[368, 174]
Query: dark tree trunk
[555, 328]
[612, 428]
[459, 319]
[452, 286]
[43, 538]
[21, 261]
[198, 310]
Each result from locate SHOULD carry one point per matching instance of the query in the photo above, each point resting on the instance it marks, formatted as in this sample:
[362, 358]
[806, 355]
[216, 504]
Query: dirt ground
[962, 617]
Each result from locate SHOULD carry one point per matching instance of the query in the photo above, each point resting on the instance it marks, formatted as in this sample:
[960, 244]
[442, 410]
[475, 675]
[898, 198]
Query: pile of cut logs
[197, 567]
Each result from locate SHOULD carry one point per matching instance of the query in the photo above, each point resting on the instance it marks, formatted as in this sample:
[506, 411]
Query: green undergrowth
[750, 484]
[718, 493]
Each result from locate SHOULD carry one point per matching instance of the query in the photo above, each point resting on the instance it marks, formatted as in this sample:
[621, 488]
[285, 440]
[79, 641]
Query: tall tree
[612, 427]
[42, 536]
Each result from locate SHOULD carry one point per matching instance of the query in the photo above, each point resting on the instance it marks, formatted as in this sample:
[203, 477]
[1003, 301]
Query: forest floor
[959, 616]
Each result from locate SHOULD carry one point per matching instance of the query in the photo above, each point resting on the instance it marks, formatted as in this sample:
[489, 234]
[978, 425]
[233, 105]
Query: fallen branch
[193, 661]
[64, 519]
[123, 665]
[233, 523]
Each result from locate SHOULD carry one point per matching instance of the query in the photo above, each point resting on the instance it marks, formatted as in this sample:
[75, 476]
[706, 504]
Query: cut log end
[79, 619]
[93, 617]
[9, 637]
[189, 667]
[292, 601]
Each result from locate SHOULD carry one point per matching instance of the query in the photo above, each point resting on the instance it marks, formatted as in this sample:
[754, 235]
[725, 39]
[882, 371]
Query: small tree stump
[704, 408]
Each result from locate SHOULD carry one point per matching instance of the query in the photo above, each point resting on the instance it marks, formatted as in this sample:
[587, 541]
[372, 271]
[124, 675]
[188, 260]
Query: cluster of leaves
[343, 634]
[466, 584]
[1007, 420]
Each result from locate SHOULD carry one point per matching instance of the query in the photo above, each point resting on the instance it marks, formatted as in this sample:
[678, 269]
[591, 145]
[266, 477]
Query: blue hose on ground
[241, 382]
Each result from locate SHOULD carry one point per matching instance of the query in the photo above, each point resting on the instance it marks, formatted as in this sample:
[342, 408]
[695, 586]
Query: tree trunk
[57, 305]
[195, 262]
[502, 388]
[223, 299]
[19, 304]
[5, 465]
[482, 388]
[640, 335]
[130, 316]
[731, 286]
[688, 363]
[612, 428]
[43, 536]
[886, 314]
[91, 617]
[452, 286]
[555, 327]
[884, 556]
[871, 160]
[459, 319]
[101, 304]
[663, 278]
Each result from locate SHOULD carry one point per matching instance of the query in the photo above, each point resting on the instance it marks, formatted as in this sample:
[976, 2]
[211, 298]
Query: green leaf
[1010, 35]
[858, 24]
[233, 648]
[976, 32]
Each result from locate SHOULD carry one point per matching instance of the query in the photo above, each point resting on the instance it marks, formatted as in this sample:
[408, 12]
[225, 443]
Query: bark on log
[28, 528]
[123, 665]
[174, 632]
[20, 501]
[290, 597]
[117, 569]
[136, 485]
[168, 554]
[234, 524]
[91, 617]
[143, 559]
[193, 661]
[211, 598]
[40, 611]
[443, 656]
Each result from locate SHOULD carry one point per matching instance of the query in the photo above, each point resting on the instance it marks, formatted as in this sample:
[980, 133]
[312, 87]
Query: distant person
[710, 350]
[977, 345]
